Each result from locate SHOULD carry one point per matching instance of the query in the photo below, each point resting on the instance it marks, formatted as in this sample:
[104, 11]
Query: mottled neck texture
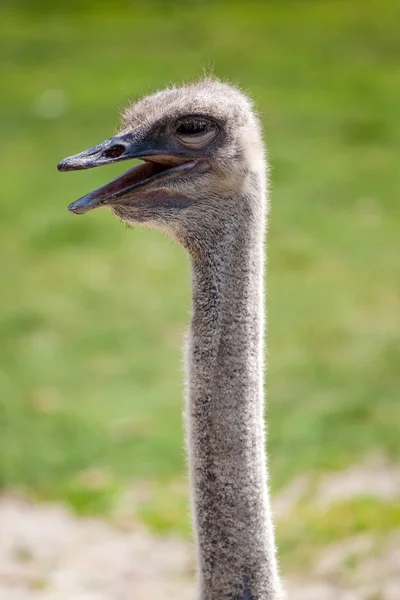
[233, 527]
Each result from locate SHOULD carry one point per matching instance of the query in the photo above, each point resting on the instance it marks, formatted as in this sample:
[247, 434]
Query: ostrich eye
[195, 132]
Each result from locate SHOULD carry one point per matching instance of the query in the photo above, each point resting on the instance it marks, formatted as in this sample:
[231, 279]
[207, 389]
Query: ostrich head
[199, 144]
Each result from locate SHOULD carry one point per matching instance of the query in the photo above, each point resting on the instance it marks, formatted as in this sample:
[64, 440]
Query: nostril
[114, 151]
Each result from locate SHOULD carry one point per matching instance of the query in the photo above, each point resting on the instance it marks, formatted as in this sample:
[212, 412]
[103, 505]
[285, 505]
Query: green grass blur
[92, 315]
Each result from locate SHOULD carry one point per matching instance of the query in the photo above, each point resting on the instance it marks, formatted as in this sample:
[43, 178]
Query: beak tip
[72, 163]
[63, 165]
[73, 208]
[81, 206]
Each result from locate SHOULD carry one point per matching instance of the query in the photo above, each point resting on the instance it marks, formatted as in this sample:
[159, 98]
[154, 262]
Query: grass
[92, 314]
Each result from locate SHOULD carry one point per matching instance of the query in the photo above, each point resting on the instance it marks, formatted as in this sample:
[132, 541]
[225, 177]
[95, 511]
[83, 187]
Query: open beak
[158, 165]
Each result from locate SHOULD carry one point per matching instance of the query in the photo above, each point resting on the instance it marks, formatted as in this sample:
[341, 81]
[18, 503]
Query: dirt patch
[47, 554]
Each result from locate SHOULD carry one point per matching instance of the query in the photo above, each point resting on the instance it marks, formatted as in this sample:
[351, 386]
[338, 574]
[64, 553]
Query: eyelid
[197, 139]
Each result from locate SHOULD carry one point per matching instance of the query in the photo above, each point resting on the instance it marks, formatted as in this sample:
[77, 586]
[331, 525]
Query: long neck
[226, 440]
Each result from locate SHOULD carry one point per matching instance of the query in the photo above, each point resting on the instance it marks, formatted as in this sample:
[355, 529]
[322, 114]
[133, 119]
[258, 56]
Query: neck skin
[233, 526]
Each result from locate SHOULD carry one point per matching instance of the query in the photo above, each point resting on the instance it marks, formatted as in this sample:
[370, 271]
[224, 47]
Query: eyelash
[192, 127]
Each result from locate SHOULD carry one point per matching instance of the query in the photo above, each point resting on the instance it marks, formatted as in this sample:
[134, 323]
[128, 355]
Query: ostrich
[202, 181]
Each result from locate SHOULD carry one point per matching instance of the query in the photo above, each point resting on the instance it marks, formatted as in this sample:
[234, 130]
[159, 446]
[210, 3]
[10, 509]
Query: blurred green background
[92, 315]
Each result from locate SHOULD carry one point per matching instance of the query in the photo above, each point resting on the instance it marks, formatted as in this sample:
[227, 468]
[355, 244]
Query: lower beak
[140, 176]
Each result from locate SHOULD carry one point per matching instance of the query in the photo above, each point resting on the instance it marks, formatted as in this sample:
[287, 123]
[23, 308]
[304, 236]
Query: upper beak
[116, 149]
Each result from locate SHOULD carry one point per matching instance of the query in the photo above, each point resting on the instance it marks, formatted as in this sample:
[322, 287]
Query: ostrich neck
[233, 528]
